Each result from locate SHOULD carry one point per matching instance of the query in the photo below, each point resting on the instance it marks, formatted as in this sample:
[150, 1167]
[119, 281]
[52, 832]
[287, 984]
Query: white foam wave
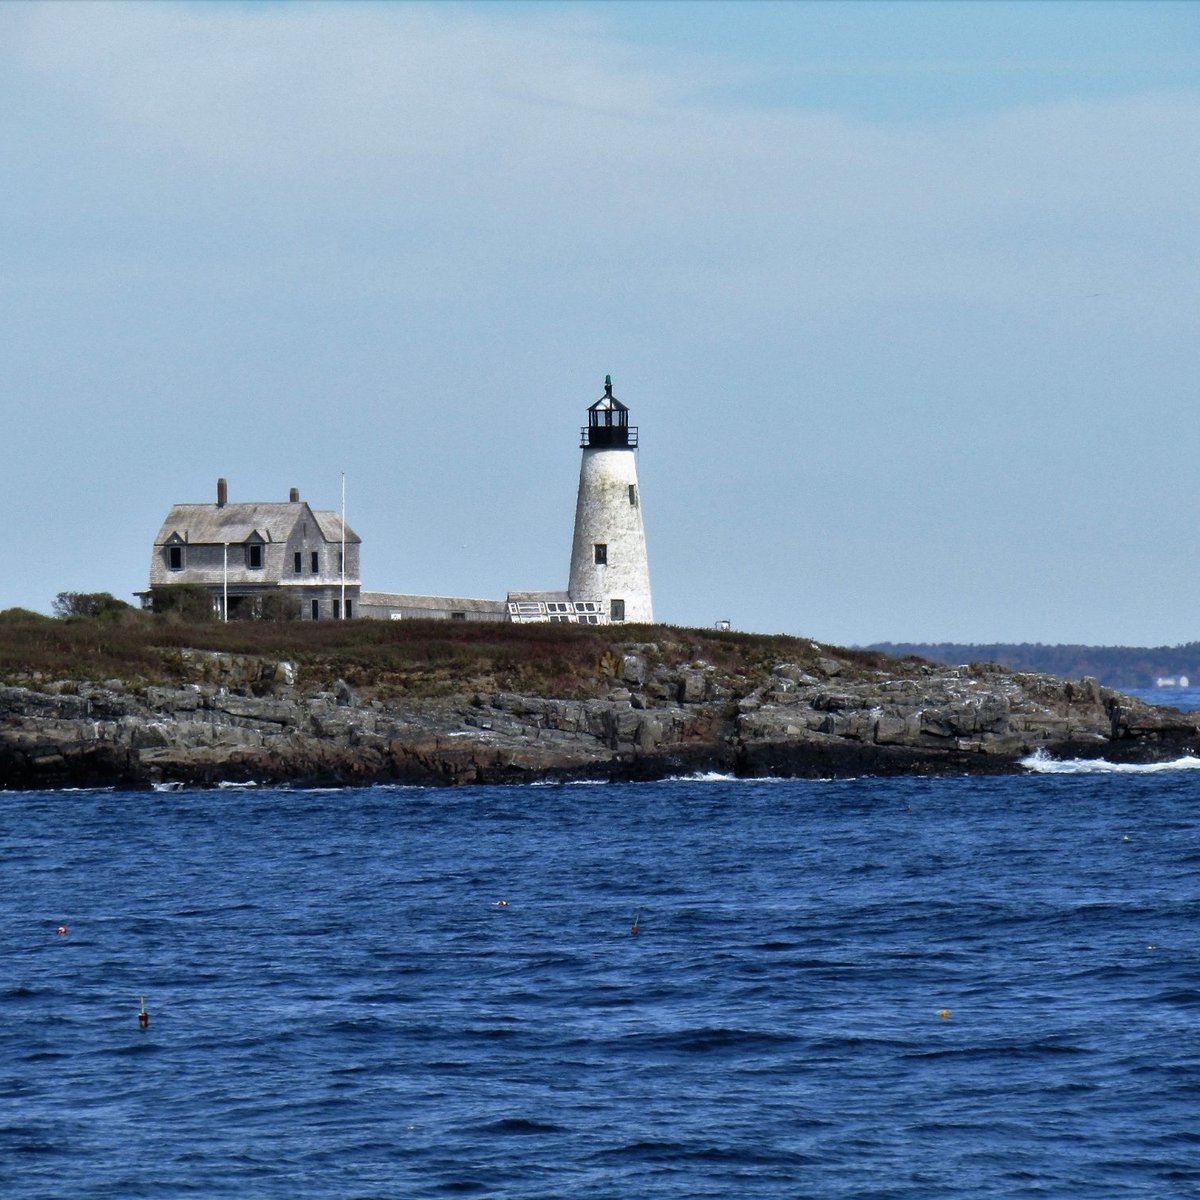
[231, 784]
[555, 783]
[721, 777]
[1043, 764]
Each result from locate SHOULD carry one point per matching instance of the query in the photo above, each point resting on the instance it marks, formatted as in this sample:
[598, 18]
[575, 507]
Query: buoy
[634, 927]
[62, 931]
[500, 904]
[943, 1013]
[143, 1015]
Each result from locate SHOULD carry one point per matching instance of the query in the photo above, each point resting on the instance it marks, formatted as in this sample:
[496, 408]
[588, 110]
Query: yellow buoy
[943, 1013]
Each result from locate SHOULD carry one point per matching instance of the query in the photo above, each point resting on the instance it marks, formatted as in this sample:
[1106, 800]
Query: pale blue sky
[903, 297]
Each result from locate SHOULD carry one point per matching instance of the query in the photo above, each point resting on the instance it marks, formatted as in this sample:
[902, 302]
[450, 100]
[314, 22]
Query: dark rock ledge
[827, 720]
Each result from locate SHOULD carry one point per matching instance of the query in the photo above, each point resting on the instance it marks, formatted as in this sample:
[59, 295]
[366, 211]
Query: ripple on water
[338, 1009]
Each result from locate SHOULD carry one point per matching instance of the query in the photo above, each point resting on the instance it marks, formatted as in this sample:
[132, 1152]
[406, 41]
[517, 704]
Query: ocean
[862, 988]
[1186, 699]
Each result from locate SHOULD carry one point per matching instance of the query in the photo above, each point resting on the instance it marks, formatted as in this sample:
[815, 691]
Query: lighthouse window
[616, 610]
[601, 549]
[633, 494]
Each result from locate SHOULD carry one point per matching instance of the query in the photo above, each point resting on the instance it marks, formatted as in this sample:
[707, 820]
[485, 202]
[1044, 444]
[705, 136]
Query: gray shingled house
[242, 551]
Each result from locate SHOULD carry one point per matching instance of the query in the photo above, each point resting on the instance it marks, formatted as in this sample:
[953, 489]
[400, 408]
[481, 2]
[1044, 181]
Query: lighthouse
[609, 567]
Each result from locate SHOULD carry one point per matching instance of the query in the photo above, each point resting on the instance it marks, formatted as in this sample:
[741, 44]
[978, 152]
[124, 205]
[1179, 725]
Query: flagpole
[343, 545]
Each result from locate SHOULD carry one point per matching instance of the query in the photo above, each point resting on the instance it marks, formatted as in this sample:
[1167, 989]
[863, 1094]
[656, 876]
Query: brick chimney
[294, 496]
[222, 493]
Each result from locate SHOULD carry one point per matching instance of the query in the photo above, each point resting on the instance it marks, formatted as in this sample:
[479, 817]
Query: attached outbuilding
[403, 606]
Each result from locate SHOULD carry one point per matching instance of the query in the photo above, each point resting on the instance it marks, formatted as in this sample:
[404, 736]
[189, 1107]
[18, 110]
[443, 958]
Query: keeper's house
[243, 552]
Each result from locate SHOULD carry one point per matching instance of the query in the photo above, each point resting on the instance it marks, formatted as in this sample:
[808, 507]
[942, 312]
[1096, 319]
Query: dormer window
[175, 558]
[254, 556]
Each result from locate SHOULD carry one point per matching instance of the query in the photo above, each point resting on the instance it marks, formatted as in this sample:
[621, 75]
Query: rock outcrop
[820, 717]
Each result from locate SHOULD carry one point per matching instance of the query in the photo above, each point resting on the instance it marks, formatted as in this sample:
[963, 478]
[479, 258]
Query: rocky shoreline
[242, 719]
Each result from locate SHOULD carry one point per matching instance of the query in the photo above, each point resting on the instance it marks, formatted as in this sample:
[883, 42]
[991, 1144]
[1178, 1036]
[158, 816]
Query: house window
[316, 610]
[341, 563]
[297, 562]
[633, 494]
[316, 562]
[462, 616]
[175, 558]
[601, 552]
[349, 608]
[337, 609]
[254, 556]
[616, 610]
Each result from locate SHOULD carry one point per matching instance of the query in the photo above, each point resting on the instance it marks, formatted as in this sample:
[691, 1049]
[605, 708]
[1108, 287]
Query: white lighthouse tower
[608, 556]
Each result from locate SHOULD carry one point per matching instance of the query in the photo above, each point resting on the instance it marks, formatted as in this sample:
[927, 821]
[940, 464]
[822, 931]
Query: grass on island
[389, 659]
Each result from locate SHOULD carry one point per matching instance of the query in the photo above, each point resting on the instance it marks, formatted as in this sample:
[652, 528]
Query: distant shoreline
[1112, 666]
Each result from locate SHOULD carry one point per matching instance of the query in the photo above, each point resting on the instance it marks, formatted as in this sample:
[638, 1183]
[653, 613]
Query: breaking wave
[1044, 764]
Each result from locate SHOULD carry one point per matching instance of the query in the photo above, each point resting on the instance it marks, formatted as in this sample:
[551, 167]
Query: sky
[903, 298]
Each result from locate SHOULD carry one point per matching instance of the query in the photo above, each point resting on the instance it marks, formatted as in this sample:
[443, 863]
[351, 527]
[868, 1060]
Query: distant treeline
[1114, 666]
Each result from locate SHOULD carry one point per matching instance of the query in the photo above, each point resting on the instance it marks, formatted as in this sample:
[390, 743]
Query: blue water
[1185, 699]
[339, 1008]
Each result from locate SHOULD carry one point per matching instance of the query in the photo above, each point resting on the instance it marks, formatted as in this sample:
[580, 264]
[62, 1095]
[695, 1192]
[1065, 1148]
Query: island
[152, 702]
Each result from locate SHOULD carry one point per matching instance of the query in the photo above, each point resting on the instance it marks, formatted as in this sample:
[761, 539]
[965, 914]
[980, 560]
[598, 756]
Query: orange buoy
[635, 927]
[143, 1015]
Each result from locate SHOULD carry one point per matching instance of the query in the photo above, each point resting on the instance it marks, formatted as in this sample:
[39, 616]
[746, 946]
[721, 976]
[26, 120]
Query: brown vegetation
[389, 659]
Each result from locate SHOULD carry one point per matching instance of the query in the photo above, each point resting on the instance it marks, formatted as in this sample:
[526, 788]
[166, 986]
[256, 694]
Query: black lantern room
[608, 423]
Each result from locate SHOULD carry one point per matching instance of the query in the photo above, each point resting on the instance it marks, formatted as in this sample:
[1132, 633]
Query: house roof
[212, 524]
[331, 525]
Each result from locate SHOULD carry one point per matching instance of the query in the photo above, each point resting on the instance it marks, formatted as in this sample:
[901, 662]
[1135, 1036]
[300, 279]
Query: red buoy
[62, 931]
[634, 928]
[143, 1015]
